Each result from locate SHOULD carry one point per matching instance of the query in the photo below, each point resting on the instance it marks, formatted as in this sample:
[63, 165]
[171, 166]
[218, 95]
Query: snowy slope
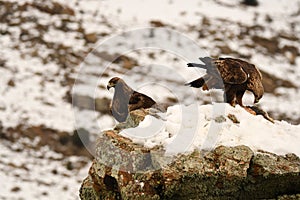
[39, 174]
[40, 85]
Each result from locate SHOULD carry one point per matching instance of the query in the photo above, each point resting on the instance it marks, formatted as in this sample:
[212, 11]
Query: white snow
[39, 174]
[204, 127]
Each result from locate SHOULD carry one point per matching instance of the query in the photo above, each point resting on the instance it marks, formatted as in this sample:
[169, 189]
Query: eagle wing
[219, 71]
[139, 100]
[235, 76]
[125, 99]
[231, 70]
[119, 109]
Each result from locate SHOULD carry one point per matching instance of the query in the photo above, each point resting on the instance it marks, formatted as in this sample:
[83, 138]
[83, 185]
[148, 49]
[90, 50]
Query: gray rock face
[125, 170]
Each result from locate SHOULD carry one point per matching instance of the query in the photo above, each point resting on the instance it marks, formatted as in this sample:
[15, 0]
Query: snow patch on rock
[186, 128]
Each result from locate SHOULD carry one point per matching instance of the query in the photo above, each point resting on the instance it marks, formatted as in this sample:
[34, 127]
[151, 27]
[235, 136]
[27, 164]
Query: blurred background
[45, 45]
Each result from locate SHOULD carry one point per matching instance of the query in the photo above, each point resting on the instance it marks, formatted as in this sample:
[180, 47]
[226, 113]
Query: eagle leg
[229, 97]
[239, 98]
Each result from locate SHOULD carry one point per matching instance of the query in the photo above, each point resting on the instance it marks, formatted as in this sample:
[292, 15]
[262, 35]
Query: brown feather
[234, 76]
[125, 99]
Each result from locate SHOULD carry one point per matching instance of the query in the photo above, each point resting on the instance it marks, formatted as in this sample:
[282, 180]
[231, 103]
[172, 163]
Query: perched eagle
[126, 99]
[235, 76]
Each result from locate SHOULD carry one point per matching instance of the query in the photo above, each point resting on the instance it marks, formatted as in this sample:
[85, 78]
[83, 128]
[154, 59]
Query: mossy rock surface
[125, 170]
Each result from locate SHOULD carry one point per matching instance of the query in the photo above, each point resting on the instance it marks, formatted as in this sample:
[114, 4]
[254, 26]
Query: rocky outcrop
[125, 170]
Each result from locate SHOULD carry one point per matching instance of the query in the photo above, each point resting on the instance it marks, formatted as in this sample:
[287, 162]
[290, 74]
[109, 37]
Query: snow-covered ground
[28, 173]
[43, 50]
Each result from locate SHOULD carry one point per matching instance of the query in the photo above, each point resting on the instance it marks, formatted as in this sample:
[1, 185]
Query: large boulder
[123, 169]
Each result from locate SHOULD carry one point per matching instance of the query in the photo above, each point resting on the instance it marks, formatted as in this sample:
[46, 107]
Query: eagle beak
[110, 85]
[256, 99]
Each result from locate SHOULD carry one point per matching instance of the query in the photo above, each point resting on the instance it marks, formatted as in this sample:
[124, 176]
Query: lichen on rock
[123, 169]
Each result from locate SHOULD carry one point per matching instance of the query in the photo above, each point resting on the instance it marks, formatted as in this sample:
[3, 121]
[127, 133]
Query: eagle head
[257, 98]
[112, 82]
[258, 92]
[257, 88]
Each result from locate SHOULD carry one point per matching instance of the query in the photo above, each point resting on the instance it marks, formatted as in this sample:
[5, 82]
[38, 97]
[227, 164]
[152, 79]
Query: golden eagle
[126, 99]
[234, 76]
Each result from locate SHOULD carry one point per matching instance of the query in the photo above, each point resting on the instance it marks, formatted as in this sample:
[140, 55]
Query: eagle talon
[248, 109]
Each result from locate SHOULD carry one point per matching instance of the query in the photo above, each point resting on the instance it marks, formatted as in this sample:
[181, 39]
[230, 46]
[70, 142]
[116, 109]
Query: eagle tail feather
[196, 65]
[196, 83]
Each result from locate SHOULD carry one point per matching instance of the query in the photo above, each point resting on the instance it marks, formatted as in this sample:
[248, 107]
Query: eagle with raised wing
[125, 99]
[233, 75]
